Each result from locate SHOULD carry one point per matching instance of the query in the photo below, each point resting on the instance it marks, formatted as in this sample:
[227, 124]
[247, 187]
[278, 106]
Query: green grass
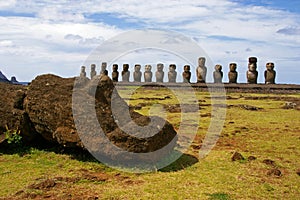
[271, 133]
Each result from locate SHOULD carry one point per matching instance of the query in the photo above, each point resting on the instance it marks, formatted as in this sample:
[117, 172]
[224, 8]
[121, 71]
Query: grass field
[267, 136]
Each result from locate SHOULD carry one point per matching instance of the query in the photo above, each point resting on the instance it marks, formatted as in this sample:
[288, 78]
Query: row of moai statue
[201, 72]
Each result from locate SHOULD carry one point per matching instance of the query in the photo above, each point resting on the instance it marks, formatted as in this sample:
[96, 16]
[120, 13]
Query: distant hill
[3, 78]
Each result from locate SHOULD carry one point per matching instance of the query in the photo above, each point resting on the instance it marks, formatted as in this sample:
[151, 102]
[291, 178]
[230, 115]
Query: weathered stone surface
[218, 74]
[232, 74]
[49, 107]
[12, 115]
[186, 74]
[137, 74]
[201, 70]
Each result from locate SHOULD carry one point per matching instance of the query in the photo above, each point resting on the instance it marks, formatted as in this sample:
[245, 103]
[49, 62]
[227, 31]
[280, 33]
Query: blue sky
[45, 36]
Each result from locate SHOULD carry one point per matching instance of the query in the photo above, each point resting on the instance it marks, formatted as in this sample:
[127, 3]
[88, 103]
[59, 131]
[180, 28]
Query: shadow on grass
[184, 161]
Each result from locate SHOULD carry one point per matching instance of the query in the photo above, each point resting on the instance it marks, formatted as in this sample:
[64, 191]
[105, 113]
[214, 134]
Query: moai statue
[159, 74]
[93, 71]
[125, 73]
[148, 73]
[201, 70]
[137, 75]
[82, 73]
[232, 74]
[218, 74]
[252, 74]
[115, 73]
[103, 67]
[172, 74]
[186, 74]
[270, 73]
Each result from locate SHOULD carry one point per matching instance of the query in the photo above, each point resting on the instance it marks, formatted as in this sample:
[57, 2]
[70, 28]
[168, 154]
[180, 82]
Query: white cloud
[61, 33]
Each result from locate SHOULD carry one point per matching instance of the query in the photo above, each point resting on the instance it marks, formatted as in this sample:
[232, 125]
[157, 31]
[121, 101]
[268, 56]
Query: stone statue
[232, 74]
[148, 73]
[93, 71]
[137, 75]
[115, 73]
[159, 74]
[270, 73]
[201, 70]
[125, 73]
[186, 74]
[252, 74]
[82, 73]
[218, 74]
[103, 67]
[172, 74]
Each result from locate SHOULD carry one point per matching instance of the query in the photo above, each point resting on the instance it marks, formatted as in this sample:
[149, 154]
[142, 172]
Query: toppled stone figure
[115, 73]
[137, 75]
[172, 74]
[252, 74]
[148, 73]
[232, 74]
[93, 71]
[82, 73]
[186, 74]
[270, 73]
[125, 73]
[159, 74]
[103, 67]
[218, 74]
[201, 70]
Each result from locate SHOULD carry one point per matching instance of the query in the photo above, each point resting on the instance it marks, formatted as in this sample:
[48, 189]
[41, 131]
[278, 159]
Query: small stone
[237, 156]
[269, 162]
[251, 158]
[298, 172]
[274, 172]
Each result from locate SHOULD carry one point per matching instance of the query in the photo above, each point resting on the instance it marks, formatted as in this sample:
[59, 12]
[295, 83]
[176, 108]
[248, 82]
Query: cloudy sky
[45, 36]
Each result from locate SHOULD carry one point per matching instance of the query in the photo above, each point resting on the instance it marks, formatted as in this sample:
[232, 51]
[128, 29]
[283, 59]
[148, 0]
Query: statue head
[93, 67]
[103, 65]
[115, 67]
[218, 68]
[201, 61]
[172, 67]
[252, 60]
[125, 67]
[232, 67]
[160, 67]
[148, 68]
[270, 66]
[252, 67]
[82, 68]
[187, 68]
[137, 67]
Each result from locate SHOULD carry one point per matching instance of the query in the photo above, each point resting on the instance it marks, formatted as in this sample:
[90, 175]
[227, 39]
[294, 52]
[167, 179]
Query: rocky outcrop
[3, 78]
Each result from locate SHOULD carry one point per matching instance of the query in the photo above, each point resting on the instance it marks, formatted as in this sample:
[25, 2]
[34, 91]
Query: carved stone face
[187, 68]
[218, 67]
[232, 67]
[201, 62]
[148, 68]
[252, 67]
[137, 68]
[115, 67]
[93, 67]
[172, 68]
[104, 64]
[270, 66]
[83, 69]
[160, 67]
[125, 67]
